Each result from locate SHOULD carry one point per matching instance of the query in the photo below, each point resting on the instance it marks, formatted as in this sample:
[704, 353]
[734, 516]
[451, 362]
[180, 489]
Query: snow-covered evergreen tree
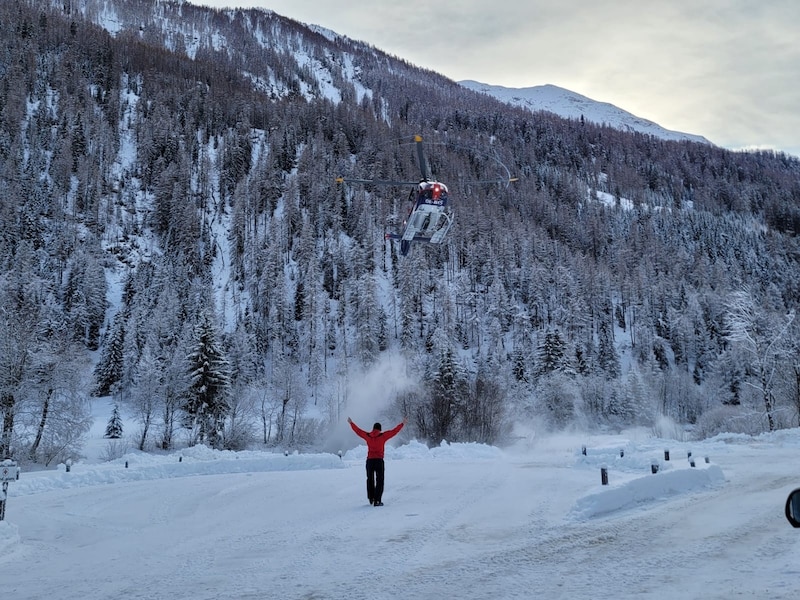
[552, 355]
[109, 369]
[366, 318]
[607, 357]
[557, 395]
[207, 402]
[114, 426]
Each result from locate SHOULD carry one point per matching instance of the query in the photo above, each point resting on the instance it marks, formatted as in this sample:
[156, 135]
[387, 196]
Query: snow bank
[629, 466]
[9, 536]
[634, 492]
[197, 460]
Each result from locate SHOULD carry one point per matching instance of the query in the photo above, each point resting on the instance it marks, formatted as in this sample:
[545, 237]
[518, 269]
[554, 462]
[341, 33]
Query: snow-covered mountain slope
[570, 105]
[321, 72]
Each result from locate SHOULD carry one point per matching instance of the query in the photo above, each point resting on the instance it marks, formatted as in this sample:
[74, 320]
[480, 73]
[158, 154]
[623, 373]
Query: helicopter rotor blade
[375, 181]
[423, 165]
[500, 181]
[505, 180]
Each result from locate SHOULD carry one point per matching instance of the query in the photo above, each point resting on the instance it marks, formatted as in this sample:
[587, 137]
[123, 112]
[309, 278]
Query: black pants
[374, 479]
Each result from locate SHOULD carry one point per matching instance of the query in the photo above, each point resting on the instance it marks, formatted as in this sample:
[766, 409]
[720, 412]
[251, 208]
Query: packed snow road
[462, 526]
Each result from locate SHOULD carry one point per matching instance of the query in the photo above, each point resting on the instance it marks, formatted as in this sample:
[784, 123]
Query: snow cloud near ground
[372, 395]
[370, 398]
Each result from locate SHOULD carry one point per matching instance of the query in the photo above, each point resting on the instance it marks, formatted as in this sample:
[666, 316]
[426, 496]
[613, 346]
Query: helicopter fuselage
[429, 217]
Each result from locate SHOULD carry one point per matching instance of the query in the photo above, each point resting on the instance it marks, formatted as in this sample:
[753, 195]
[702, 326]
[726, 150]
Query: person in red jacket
[376, 440]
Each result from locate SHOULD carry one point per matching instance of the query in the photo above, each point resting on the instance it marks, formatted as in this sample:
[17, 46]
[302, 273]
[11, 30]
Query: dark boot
[370, 491]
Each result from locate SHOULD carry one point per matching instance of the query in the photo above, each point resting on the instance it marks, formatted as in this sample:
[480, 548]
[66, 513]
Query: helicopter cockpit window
[436, 194]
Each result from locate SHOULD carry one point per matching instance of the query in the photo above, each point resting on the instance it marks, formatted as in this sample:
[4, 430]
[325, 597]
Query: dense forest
[173, 238]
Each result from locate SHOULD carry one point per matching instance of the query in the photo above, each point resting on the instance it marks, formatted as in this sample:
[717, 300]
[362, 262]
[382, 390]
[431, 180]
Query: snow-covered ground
[459, 521]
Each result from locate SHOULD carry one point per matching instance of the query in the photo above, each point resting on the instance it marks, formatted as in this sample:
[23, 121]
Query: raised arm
[359, 432]
[393, 432]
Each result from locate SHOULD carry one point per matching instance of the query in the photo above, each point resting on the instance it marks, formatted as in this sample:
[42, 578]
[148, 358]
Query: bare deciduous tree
[762, 337]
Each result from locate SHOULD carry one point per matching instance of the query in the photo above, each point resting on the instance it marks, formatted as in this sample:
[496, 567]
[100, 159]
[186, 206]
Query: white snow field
[459, 521]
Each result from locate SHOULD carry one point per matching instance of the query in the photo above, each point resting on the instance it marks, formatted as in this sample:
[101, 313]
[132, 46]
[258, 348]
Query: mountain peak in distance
[571, 105]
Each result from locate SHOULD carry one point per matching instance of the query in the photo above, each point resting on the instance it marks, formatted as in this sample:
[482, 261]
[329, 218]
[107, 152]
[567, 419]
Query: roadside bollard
[583, 450]
[666, 454]
[603, 475]
[68, 464]
[691, 462]
[654, 467]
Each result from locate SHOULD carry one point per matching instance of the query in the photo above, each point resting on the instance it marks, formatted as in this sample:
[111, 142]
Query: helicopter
[429, 215]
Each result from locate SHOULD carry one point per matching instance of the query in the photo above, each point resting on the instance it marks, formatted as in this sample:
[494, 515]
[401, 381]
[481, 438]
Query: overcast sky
[728, 70]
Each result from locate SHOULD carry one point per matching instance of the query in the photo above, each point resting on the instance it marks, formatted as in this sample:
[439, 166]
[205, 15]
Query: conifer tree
[109, 369]
[448, 391]
[207, 403]
[366, 317]
[114, 426]
[607, 358]
[551, 355]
